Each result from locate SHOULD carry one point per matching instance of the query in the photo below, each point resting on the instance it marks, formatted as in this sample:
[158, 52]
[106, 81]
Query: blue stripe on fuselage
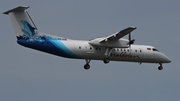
[55, 47]
[63, 48]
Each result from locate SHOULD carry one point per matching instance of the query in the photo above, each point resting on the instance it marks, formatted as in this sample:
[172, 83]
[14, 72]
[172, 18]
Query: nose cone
[165, 59]
[161, 58]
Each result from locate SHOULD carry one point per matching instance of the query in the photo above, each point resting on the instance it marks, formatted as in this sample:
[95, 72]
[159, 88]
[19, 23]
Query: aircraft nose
[166, 59]
[162, 58]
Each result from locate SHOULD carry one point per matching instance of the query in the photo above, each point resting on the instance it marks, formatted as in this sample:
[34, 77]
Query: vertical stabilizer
[22, 22]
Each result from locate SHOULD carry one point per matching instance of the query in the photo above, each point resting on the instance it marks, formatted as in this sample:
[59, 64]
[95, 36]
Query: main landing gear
[87, 66]
[106, 60]
[160, 67]
[107, 54]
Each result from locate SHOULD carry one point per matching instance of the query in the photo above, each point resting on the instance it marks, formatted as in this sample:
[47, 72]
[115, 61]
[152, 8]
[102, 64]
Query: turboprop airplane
[110, 48]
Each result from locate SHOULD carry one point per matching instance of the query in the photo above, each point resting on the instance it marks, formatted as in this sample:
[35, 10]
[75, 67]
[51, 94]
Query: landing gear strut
[160, 67]
[87, 66]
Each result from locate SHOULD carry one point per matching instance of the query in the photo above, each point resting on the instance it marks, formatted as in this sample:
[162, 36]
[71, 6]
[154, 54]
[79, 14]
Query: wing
[117, 36]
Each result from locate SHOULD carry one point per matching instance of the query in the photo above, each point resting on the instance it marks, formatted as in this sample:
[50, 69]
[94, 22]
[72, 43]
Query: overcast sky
[30, 75]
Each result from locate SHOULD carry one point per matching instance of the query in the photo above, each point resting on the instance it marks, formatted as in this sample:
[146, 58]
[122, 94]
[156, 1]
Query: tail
[22, 23]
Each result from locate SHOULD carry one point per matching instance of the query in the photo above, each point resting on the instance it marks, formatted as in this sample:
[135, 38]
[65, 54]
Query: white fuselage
[135, 53]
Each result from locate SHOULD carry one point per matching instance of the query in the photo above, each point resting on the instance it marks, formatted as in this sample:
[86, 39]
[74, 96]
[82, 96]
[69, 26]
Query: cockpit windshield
[155, 50]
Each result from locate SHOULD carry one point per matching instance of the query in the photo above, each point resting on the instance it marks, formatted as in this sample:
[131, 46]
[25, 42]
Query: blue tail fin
[22, 22]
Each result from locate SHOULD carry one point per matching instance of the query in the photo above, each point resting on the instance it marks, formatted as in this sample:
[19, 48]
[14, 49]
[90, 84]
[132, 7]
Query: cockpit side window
[155, 49]
[148, 48]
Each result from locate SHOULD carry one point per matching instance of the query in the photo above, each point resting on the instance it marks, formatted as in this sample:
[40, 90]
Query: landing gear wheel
[86, 66]
[106, 60]
[160, 67]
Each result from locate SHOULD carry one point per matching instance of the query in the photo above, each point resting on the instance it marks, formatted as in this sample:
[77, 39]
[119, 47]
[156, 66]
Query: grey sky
[29, 75]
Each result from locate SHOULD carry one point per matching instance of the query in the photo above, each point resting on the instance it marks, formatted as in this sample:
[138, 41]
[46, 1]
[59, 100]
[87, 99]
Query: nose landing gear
[160, 67]
[86, 66]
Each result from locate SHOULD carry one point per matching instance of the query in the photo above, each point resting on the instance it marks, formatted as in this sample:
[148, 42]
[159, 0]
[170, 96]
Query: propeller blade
[130, 41]
[129, 37]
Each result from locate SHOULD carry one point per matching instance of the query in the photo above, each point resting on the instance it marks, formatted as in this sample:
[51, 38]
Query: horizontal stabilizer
[17, 9]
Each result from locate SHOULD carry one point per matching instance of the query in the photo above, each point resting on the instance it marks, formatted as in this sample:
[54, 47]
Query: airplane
[106, 49]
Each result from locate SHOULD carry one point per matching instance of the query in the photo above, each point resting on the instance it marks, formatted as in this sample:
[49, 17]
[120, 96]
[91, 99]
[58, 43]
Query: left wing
[117, 36]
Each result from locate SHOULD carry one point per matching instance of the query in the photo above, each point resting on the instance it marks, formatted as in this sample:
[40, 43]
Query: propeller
[130, 41]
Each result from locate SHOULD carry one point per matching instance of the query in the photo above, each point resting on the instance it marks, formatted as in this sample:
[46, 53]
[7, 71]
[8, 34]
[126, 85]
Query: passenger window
[135, 50]
[140, 51]
[79, 47]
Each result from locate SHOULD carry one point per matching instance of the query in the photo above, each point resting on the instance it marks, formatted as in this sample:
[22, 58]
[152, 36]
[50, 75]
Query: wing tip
[133, 27]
